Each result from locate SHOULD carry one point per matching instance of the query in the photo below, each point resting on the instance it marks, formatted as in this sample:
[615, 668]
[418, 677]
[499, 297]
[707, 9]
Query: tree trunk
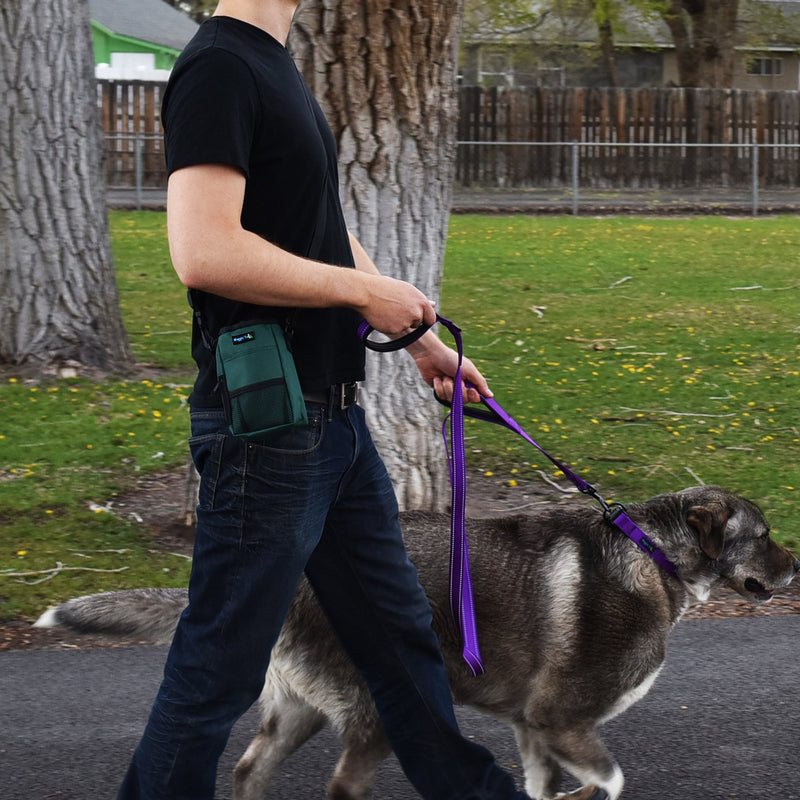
[603, 16]
[58, 295]
[384, 72]
[705, 41]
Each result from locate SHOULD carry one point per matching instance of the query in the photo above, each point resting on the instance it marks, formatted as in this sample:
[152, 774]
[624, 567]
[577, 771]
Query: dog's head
[734, 542]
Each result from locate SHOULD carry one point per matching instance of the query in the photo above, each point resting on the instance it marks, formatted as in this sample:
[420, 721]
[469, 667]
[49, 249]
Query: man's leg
[260, 513]
[370, 591]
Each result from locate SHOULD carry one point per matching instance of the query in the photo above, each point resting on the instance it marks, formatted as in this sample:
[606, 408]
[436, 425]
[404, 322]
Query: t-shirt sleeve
[210, 113]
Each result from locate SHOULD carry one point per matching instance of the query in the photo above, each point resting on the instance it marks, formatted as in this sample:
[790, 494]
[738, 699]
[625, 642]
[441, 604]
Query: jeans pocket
[299, 440]
[206, 452]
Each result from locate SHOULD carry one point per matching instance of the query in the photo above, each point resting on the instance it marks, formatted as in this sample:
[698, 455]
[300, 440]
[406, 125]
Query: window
[495, 69]
[765, 66]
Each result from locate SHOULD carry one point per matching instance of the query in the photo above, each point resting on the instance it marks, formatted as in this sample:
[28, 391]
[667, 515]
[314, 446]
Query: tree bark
[58, 294]
[704, 34]
[384, 72]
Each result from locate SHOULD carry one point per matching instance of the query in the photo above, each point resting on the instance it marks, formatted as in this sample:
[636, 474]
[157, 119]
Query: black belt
[336, 397]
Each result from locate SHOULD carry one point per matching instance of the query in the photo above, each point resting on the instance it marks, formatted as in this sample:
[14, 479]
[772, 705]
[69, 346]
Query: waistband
[337, 397]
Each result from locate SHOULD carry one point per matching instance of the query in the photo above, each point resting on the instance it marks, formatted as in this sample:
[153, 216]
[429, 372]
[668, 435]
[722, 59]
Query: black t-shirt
[235, 97]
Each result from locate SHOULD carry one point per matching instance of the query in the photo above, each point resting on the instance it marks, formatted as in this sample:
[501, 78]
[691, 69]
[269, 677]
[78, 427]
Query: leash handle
[365, 329]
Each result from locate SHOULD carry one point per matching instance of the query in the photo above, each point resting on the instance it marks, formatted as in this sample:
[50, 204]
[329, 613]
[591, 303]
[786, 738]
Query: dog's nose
[797, 565]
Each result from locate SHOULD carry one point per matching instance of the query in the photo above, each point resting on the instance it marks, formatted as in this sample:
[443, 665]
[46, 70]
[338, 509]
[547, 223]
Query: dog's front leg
[585, 793]
[580, 750]
[542, 771]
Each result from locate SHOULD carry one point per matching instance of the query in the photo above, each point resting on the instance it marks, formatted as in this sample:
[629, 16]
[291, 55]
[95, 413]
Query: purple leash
[462, 604]
[613, 512]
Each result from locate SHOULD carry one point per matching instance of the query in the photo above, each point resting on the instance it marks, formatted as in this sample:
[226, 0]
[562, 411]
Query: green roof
[150, 21]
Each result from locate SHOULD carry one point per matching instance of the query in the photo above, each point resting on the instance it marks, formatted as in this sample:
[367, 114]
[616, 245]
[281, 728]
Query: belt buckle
[348, 394]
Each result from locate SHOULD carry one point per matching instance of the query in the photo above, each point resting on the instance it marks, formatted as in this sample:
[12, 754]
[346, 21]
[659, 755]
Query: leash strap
[462, 604]
[614, 512]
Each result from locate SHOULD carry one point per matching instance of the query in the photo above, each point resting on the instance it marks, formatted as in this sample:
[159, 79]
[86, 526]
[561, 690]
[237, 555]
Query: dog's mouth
[758, 590]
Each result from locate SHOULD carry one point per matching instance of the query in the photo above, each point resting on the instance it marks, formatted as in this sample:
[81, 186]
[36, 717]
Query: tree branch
[51, 573]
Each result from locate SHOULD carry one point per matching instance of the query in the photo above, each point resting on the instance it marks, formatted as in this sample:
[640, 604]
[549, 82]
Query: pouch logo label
[241, 338]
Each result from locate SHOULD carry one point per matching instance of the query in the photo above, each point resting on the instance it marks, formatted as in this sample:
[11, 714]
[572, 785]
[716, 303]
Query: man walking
[256, 232]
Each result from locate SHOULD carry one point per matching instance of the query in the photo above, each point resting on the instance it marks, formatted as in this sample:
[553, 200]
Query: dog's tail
[147, 613]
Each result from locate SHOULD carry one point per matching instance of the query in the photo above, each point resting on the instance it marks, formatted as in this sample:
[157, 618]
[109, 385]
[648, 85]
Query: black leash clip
[610, 510]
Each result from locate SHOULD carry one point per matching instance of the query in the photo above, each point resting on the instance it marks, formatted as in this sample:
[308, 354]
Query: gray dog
[572, 618]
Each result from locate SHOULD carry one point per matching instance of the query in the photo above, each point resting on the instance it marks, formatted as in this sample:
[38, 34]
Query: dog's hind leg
[542, 771]
[286, 723]
[364, 750]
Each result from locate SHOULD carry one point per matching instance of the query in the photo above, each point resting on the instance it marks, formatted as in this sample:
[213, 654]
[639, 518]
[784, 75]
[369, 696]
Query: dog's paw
[585, 793]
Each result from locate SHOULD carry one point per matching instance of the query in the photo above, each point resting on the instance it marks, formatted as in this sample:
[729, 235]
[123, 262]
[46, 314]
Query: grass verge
[649, 354]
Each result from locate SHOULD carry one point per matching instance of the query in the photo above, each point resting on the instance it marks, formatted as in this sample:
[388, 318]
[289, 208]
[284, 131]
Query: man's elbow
[193, 265]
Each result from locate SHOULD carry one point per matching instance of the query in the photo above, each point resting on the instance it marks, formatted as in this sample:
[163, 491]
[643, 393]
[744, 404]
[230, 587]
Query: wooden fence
[640, 138]
[130, 113]
[667, 124]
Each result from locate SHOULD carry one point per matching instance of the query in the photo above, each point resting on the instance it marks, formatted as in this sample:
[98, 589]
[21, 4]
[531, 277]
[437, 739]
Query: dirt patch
[158, 501]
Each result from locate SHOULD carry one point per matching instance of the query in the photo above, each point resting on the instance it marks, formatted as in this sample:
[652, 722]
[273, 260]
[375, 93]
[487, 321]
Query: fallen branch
[620, 281]
[762, 288]
[563, 489]
[695, 476]
[672, 413]
[51, 573]
[587, 341]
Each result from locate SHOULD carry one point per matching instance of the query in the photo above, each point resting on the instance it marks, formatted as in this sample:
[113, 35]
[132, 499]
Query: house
[564, 50]
[137, 39]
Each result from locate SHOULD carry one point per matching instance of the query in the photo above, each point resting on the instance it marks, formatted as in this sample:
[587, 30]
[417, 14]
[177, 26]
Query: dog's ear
[709, 521]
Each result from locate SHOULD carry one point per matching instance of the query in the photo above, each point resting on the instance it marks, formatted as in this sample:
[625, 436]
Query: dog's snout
[796, 565]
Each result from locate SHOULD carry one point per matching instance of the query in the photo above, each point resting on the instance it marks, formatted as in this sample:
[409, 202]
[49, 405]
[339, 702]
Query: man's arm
[211, 251]
[436, 362]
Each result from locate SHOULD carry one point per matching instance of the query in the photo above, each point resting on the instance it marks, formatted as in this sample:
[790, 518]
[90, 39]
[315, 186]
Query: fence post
[138, 166]
[755, 179]
[575, 166]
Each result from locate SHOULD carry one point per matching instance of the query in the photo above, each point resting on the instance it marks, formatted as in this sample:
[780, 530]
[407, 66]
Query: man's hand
[437, 363]
[394, 307]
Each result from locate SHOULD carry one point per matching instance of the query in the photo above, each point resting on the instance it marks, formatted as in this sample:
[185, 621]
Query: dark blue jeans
[319, 500]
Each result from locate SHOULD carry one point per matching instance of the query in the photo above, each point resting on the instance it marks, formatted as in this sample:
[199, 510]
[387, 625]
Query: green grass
[157, 317]
[67, 447]
[637, 350]
[629, 348]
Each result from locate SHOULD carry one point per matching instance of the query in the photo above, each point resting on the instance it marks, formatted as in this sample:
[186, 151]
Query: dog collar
[617, 514]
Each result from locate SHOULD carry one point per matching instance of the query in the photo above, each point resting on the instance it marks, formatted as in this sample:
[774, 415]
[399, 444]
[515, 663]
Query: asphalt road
[721, 722]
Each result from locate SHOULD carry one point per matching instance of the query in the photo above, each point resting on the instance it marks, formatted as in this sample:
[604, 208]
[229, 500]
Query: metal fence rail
[620, 166]
[135, 162]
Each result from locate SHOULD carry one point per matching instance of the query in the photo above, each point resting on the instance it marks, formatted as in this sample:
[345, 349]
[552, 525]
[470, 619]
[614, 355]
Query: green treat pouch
[258, 380]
